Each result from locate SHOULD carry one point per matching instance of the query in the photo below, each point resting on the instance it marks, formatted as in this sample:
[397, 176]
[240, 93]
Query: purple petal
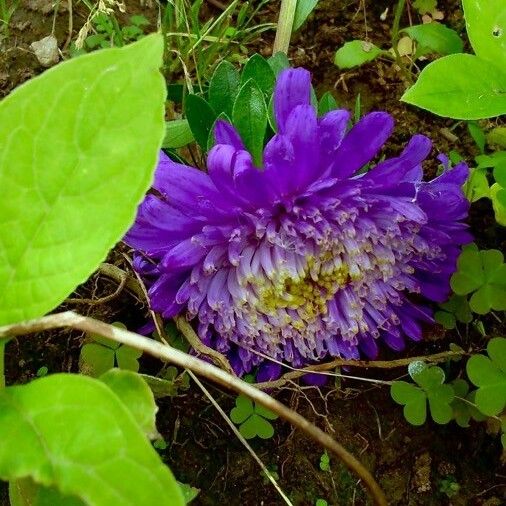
[268, 371]
[293, 88]
[362, 143]
[225, 133]
[331, 131]
[183, 256]
[163, 294]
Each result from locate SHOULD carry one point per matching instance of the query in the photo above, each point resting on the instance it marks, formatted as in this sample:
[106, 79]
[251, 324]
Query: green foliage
[201, 117]
[101, 354]
[258, 69]
[477, 134]
[66, 200]
[302, 11]
[489, 375]
[481, 273]
[355, 53]
[253, 419]
[486, 29]
[325, 461]
[108, 33]
[249, 116]
[425, 6]
[497, 136]
[449, 487]
[189, 492]
[460, 86]
[464, 86]
[435, 38]
[66, 432]
[136, 395]
[326, 104]
[177, 134]
[321, 502]
[431, 388]
[224, 87]
[454, 310]
[463, 404]
[278, 62]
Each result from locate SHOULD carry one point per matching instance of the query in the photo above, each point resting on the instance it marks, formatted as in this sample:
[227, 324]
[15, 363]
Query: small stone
[46, 50]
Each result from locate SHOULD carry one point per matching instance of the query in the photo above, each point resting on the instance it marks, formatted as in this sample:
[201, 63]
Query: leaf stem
[285, 26]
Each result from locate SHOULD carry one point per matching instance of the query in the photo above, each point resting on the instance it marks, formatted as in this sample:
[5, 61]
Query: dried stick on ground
[73, 320]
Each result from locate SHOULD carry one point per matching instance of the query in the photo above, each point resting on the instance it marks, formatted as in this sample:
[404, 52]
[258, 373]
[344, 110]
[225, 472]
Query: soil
[411, 464]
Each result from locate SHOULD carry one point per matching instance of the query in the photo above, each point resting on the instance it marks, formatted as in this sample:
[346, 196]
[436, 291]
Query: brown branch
[101, 300]
[211, 372]
[377, 364]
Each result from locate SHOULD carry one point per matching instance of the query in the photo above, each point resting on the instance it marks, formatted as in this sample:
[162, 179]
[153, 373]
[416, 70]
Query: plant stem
[285, 25]
[69, 319]
[399, 9]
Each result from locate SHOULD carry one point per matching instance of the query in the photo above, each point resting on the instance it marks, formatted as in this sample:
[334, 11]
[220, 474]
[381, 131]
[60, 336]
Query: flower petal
[293, 88]
[225, 133]
[362, 143]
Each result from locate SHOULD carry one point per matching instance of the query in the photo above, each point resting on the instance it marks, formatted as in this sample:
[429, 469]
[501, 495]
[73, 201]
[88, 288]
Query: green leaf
[461, 409]
[26, 492]
[447, 320]
[136, 395]
[79, 147]
[497, 136]
[469, 275]
[243, 409]
[440, 400]
[278, 62]
[302, 11]
[413, 399]
[327, 103]
[177, 134]
[128, 358]
[201, 117]
[249, 116]
[355, 53]
[95, 359]
[477, 134]
[425, 6]
[460, 86]
[256, 426]
[489, 375]
[189, 492]
[264, 412]
[223, 88]
[435, 37]
[498, 197]
[69, 431]
[486, 29]
[260, 71]
[476, 187]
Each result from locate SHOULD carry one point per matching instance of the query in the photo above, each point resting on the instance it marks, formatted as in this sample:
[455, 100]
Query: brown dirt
[410, 463]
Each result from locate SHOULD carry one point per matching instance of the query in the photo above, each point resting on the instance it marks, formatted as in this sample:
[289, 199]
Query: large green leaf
[224, 87]
[486, 28]
[79, 146]
[73, 433]
[460, 86]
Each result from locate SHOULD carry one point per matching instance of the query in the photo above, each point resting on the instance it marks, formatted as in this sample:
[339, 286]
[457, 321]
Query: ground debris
[421, 473]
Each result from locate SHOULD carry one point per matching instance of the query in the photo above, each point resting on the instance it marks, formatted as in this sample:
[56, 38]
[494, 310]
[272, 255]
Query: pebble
[46, 50]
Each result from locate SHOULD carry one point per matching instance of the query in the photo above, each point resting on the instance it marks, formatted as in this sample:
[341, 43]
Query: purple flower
[305, 258]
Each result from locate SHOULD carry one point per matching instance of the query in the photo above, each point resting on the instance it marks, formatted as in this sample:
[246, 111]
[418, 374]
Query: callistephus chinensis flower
[307, 257]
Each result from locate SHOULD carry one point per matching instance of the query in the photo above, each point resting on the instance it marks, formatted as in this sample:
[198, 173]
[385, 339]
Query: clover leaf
[464, 404]
[431, 388]
[253, 418]
[455, 310]
[102, 354]
[489, 375]
[481, 273]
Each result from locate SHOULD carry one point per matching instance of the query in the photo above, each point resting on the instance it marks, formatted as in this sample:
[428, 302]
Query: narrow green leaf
[224, 87]
[327, 103]
[486, 29]
[260, 71]
[177, 134]
[201, 117]
[435, 37]
[498, 197]
[73, 432]
[79, 147]
[477, 134]
[355, 53]
[460, 86]
[250, 118]
[302, 11]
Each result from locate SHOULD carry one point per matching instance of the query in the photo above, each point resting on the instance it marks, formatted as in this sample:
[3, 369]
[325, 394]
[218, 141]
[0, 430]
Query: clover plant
[253, 419]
